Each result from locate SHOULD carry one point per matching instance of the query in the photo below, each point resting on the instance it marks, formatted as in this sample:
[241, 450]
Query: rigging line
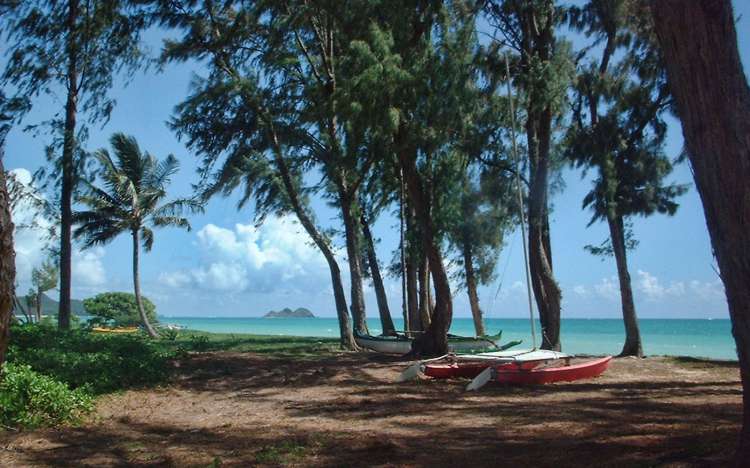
[502, 276]
[519, 190]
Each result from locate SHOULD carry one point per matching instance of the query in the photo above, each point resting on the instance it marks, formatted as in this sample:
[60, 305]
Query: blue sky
[227, 267]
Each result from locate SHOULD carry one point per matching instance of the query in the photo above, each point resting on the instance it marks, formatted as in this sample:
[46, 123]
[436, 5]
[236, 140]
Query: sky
[227, 266]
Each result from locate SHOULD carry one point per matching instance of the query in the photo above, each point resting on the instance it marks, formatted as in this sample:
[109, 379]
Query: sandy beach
[245, 409]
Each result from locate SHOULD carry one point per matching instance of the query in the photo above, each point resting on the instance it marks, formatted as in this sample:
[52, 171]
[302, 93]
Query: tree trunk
[546, 290]
[68, 171]
[434, 342]
[137, 285]
[412, 290]
[632, 345]
[699, 43]
[38, 305]
[345, 329]
[402, 251]
[354, 257]
[386, 321]
[424, 290]
[7, 258]
[471, 288]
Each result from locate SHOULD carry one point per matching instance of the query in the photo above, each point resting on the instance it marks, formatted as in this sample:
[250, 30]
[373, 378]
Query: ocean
[709, 338]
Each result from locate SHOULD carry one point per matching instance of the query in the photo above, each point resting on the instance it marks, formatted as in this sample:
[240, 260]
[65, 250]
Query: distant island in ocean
[287, 312]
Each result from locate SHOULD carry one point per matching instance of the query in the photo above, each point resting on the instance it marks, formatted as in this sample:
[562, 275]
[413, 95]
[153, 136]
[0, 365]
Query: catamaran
[533, 366]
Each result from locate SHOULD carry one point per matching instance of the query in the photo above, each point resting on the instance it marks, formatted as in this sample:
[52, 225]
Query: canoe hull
[585, 370]
[403, 346]
[519, 373]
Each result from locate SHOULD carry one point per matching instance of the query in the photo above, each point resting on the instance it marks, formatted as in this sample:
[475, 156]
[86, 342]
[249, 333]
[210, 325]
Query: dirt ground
[243, 409]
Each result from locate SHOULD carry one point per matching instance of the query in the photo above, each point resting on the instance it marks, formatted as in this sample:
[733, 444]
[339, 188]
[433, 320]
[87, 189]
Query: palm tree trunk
[137, 284]
[68, 171]
[699, 43]
[632, 345]
[7, 259]
[353, 252]
[471, 288]
[386, 321]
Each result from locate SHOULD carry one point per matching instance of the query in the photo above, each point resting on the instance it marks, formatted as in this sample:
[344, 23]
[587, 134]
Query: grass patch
[99, 363]
[198, 341]
[290, 451]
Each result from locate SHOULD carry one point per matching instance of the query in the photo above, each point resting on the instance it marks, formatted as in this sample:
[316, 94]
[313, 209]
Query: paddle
[480, 380]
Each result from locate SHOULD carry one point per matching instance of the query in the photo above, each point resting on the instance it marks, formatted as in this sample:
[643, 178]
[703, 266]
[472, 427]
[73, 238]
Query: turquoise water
[675, 337]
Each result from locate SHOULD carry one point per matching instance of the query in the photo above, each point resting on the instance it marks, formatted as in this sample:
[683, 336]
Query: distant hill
[50, 306]
[287, 312]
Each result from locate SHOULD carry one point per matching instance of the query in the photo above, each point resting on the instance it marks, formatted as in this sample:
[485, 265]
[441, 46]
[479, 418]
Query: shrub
[102, 363]
[118, 309]
[29, 399]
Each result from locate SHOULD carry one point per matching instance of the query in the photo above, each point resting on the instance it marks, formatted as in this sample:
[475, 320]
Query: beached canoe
[402, 344]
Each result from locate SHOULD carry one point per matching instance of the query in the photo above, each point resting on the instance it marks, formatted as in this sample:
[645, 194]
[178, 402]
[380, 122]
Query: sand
[244, 409]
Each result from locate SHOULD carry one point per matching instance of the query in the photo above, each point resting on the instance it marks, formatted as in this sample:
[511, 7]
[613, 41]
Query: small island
[301, 312]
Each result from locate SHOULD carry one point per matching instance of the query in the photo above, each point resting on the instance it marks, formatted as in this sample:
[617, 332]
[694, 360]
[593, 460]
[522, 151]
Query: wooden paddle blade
[411, 373]
[480, 380]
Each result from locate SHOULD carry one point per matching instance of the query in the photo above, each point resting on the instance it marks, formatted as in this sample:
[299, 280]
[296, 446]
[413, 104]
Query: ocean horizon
[706, 338]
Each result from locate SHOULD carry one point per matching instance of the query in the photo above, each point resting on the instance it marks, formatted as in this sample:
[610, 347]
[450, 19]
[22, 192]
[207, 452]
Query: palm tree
[135, 184]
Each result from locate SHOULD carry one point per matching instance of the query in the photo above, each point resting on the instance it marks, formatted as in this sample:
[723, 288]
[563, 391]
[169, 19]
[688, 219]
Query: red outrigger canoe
[522, 373]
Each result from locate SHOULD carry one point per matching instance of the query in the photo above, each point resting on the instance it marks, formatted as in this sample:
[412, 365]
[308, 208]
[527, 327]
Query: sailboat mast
[519, 191]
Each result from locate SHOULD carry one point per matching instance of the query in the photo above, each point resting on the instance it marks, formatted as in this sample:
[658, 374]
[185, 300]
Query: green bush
[29, 399]
[118, 309]
[100, 362]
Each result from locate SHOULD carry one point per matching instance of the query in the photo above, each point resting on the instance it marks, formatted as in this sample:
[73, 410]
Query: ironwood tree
[71, 49]
[699, 44]
[617, 130]
[541, 69]
[246, 116]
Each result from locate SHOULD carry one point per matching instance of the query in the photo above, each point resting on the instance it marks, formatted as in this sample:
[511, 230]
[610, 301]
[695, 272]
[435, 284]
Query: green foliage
[103, 39]
[100, 363]
[44, 277]
[29, 399]
[118, 309]
[618, 128]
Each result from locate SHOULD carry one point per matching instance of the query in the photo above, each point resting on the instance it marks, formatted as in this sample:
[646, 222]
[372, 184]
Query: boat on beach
[401, 344]
[526, 367]
[516, 367]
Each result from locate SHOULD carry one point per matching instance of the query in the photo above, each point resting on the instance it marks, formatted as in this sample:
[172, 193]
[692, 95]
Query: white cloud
[650, 286]
[608, 288]
[277, 256]
[88, 269]
[708, 291]
[31, 235]
[175, 279]
[581, 290]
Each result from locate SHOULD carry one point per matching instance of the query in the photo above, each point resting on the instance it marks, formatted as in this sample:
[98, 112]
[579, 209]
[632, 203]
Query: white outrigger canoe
[401, 344]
